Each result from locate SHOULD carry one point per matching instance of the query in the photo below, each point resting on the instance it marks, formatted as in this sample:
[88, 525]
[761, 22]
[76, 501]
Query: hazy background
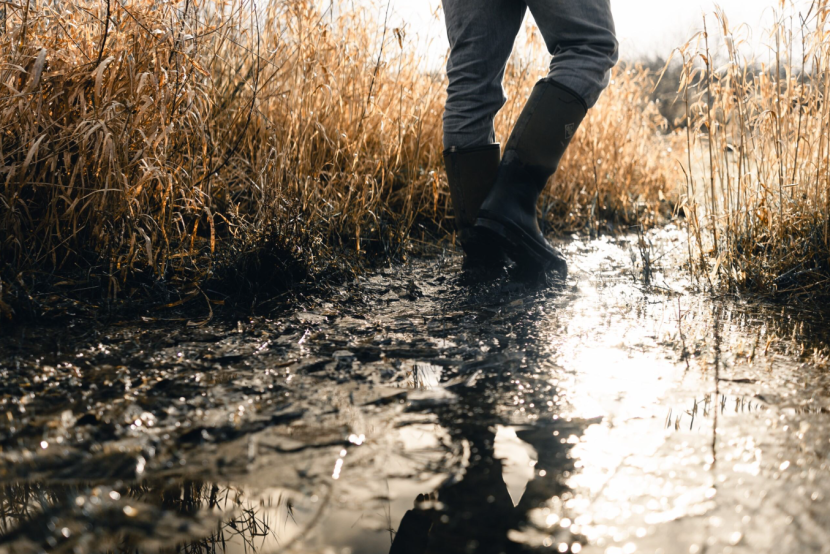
[646, 28]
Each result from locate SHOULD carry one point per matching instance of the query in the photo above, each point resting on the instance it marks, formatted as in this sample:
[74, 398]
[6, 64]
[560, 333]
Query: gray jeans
[579, 34]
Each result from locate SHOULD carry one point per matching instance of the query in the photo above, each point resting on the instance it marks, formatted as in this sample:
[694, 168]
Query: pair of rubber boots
[494, 200]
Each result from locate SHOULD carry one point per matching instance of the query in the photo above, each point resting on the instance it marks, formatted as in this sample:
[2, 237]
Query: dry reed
[148, 142]
[757, 171]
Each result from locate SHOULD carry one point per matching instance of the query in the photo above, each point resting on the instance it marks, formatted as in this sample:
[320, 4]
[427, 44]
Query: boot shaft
[538, 141]
[544, 129]
[536, 145]
[471, 173]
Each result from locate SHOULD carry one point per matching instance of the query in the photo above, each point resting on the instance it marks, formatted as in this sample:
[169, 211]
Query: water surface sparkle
[417, 413]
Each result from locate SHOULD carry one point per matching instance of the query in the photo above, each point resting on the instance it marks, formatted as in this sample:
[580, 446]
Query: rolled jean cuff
[468, 139]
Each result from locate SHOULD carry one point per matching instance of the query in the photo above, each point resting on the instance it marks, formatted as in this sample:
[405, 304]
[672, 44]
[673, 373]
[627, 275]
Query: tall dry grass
[619, 170]
[171, 142]
[758, 164]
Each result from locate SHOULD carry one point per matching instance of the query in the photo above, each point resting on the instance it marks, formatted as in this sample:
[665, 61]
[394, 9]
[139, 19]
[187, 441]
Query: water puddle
[412, 412]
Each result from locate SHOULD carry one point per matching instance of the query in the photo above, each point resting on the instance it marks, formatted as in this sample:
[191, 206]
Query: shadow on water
[472, 510]
[414, 412]
[477, 512]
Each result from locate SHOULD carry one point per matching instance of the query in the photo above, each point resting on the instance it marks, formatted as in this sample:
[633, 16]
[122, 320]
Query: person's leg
[481, 35]
[580, 37]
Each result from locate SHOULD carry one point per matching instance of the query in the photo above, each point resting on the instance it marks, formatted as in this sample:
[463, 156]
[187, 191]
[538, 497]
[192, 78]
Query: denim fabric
[579, 34]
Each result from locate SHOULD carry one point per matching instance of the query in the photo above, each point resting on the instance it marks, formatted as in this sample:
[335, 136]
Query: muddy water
[417, 412]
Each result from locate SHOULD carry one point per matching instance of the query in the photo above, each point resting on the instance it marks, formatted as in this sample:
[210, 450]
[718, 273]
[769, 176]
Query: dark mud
[416, 412]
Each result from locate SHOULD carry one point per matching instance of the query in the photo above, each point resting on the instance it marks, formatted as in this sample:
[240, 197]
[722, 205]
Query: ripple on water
[416, 412]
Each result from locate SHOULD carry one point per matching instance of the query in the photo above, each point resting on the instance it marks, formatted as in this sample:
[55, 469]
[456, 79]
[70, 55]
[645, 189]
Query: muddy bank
[413, 411]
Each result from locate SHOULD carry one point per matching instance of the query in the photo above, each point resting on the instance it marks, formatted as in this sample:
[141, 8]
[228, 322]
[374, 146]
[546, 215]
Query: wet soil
[415, 411]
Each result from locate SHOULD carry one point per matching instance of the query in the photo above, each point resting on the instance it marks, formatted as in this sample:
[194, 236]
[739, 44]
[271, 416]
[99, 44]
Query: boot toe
[523, 244]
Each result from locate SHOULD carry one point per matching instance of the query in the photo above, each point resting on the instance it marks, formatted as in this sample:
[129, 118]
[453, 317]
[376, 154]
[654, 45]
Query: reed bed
[152, 147]
[757, 166]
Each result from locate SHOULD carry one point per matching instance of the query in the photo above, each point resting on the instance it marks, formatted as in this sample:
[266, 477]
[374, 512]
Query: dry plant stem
[692, 218]
[24, 26]
[710, 123]
[106, 31]
[377, 65]
[772, 239]
[160, 142]
[779, 138]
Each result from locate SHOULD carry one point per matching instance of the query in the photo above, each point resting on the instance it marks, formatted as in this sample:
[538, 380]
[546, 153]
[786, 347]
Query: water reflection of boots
[413, 532]
[478, 511]
[553, 460]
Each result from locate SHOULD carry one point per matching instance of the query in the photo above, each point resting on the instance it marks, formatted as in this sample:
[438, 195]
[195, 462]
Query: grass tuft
[757, 171]
[153, 146]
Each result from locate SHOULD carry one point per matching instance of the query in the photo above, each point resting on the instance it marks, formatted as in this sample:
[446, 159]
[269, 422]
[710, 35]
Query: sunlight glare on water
[617, 375]
[605, 414]
[518, 460]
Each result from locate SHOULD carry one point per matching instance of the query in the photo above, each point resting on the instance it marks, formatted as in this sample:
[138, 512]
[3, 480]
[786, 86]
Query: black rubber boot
[508, 215]
[471, 173]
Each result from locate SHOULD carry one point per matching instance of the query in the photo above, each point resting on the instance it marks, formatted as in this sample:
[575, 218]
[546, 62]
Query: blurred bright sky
[645, 27]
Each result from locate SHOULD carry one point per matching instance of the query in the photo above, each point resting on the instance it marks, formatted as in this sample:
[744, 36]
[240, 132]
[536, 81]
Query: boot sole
[518, 245]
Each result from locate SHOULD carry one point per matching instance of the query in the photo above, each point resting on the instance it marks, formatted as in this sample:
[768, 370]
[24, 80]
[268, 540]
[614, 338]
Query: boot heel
[485, 244]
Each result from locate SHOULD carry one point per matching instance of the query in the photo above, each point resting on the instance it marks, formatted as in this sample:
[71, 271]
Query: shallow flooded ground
[415, 412]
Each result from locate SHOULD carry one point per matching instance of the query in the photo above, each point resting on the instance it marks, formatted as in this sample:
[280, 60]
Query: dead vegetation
[149, 148]
[757, 170]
